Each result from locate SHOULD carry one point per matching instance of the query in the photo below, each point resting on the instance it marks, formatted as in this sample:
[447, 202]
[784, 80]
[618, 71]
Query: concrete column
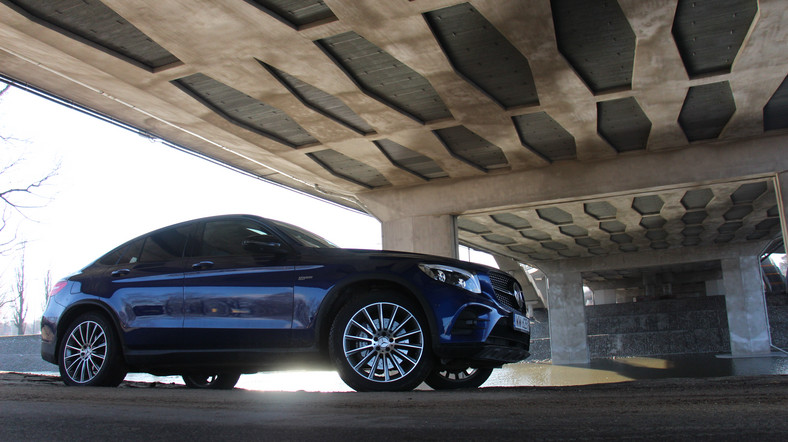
[568, 333]
[434, 235]
[746, 305]
[781, 189]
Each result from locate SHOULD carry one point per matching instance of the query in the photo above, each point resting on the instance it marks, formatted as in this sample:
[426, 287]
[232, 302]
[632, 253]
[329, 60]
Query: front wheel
[380, 342]
[221, 381]
[90, 353]
[443, 378]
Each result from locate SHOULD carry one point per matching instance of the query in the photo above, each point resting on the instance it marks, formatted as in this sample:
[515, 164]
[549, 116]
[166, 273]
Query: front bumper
[503, 345]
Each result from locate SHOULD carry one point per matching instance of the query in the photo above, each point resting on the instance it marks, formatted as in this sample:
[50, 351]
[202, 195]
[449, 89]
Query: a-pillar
[434, 235]
[568, 332]
[744, 298]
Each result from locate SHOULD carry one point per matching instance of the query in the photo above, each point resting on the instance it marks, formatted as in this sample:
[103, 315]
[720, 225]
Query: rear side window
[164, 245]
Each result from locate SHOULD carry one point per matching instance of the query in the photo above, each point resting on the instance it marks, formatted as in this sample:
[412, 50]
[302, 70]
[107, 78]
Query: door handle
[202, 265]
[120, 272]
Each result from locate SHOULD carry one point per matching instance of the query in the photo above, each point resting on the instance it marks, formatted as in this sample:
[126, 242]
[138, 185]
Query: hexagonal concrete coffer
[536, 235]
[472, 226]
[695, 217]
[653, 222]
[587, 242]
[747, 193]
[738, 212]
[498, 239]
[648, 205]
[511, 220]
[554, 245]
[600, 210]
[709, 34]
[597, 40]
[621, 238]
[612, 226]
[554, 215]
[697, 199]
[573, 231]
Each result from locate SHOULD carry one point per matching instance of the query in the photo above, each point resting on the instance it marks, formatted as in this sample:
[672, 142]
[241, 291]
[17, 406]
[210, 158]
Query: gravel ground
[42, 408]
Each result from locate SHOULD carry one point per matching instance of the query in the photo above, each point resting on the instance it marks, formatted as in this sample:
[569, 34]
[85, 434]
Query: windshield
[304, 237]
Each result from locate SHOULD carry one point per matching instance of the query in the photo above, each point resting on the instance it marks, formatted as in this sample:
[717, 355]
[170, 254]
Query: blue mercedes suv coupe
[214, 298]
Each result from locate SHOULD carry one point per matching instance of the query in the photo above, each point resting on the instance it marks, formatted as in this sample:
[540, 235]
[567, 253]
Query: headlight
[452, 275]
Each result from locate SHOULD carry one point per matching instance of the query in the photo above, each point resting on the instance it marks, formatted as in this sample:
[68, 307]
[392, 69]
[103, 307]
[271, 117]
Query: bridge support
[744, 298]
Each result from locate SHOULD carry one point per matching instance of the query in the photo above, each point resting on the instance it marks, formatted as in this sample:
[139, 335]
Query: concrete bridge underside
[603, 142]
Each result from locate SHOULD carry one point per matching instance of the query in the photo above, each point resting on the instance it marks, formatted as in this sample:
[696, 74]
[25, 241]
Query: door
[238, 288]
[145, 288]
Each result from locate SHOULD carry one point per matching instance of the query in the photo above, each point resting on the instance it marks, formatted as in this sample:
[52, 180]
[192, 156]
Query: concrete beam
[698, 164]
[434, 235]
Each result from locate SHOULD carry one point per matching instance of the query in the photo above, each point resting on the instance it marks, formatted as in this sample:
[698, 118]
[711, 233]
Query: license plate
[521, 323]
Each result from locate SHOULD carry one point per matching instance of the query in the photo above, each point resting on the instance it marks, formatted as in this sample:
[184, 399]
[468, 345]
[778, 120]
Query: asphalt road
[742, 408]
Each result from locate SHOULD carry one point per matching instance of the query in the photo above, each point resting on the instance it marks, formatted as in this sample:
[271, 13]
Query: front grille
[502, 284]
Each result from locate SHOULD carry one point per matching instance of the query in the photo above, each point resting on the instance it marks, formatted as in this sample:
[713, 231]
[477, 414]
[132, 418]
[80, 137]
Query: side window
[226, 238]
[131, 254]
[165, 245]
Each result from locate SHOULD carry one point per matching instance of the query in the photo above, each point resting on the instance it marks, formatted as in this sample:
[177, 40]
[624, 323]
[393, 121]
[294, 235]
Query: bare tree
[19, 191]
[20, 305]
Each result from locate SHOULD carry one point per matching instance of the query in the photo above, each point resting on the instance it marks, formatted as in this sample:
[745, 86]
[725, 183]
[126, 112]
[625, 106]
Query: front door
[238, 289]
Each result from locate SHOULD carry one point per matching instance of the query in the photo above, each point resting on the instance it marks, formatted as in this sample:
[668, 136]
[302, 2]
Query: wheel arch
[88, 306]
[340, 294]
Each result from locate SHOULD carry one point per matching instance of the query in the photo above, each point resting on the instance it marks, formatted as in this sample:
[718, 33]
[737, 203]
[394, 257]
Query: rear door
[145, 288]
[238, 288]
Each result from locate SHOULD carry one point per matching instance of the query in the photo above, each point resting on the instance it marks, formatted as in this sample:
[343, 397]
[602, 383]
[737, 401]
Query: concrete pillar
[568, 333]
[781, 189]
[434, 235]
[746, 305]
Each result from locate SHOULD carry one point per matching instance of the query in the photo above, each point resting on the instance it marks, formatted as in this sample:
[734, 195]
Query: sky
[112, 185]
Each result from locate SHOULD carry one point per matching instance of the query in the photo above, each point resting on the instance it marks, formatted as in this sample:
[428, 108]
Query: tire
[221, 381]
[90, 353]
[381, 342]
[442, 378]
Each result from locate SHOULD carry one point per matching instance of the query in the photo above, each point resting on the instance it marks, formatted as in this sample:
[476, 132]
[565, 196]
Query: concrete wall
[681, 326]
[778, 319]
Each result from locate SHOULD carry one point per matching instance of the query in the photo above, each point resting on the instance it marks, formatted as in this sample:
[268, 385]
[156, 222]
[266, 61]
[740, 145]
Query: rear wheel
[220, 381]
[380, 342]
[90, 353]
[443, 378]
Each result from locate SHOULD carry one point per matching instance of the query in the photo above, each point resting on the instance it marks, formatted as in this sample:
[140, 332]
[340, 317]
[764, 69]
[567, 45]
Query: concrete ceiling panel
[512, 221]
[320, 101]
[481, 54]
[623, 124]
[471, 148]
[348, 168]
[543, 135]
[775, 113]
[706, 111]
[697, 198]
[410, 160]
[245, 111]
[385, 78]
[297, 13]
[648, 205]
[709, 33]
[97, 25]
[598, 41]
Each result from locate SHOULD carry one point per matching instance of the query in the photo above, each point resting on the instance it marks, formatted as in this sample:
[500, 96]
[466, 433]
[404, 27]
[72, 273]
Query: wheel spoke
[356, 350]
[361, 327]
[404, 356]
[371, 321]
[403, 323]
[393, 317]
